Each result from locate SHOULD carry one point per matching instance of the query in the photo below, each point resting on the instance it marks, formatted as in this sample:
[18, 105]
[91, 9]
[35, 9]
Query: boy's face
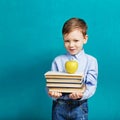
[74, 41]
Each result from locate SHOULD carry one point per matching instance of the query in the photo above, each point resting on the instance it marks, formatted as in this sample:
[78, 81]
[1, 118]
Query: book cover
[63, 80]
[53, 74]
[67, 90]
[70, 85]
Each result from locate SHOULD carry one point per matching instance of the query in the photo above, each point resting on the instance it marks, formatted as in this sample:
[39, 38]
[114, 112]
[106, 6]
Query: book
[70, 85]
[63, 80]
[53, 74]
[68, 90]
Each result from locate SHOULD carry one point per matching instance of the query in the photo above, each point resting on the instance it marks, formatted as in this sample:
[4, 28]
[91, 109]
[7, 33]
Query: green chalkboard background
[30, 38]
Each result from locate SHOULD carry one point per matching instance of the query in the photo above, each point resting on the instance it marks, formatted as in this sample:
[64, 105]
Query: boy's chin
[73, 53]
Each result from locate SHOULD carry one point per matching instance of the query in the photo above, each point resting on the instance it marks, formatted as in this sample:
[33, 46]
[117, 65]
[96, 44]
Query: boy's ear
[85, 39]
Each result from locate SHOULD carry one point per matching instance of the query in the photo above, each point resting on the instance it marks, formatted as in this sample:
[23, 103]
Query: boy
[74, 106]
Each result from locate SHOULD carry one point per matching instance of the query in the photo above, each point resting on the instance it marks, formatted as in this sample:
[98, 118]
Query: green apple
[71, 66]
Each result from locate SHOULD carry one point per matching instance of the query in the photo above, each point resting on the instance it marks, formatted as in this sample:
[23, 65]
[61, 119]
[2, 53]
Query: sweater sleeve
[91, 79]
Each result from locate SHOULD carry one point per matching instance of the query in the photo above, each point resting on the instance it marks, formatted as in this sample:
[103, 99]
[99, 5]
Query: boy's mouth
[72, 50]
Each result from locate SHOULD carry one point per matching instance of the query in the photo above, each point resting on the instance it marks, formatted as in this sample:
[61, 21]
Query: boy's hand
[76, 95]
[55, 94]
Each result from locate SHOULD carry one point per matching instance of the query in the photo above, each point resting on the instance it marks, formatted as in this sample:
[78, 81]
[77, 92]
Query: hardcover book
[67, 90]
[53, 74]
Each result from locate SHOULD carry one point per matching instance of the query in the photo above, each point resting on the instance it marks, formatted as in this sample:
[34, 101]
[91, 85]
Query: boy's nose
[71, 44]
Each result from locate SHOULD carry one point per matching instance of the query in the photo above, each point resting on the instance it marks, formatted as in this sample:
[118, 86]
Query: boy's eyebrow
[66, 39]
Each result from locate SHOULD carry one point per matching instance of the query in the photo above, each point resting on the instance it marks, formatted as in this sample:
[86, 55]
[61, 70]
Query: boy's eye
[76, 40]
[66, 40]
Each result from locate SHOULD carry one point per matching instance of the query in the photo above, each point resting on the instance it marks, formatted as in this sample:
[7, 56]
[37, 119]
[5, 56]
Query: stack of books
[64, 82]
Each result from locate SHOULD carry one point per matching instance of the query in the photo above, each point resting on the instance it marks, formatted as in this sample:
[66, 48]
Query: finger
[57, 94]
[71, 96]
[75, 95]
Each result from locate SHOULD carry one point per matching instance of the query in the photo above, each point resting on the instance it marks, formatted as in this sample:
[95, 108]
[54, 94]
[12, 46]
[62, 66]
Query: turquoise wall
[30, 38]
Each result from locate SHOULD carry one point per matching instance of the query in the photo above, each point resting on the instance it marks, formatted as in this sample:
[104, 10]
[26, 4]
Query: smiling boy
[74, 106]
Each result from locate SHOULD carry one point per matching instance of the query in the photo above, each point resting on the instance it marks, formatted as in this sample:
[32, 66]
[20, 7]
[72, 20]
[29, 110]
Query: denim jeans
[70, 110]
